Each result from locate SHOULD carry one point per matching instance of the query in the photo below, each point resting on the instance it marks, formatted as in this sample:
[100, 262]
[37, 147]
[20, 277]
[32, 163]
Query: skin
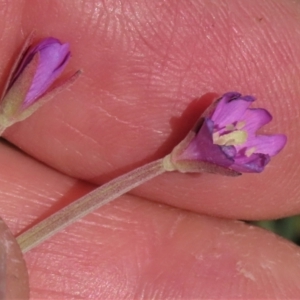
[146, 66]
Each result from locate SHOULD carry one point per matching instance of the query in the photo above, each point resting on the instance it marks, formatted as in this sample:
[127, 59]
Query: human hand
[143, 64]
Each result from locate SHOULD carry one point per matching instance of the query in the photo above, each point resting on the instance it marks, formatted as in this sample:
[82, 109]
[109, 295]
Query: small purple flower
[31, 82]
[52, 57]
[225, 138]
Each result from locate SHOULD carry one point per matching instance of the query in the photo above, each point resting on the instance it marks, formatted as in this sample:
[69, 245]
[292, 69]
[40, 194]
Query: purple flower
[225, 138]
[51, 58]
[31, 82]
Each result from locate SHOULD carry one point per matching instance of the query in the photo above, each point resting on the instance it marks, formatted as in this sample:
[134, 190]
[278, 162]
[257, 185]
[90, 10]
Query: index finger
[142, 66]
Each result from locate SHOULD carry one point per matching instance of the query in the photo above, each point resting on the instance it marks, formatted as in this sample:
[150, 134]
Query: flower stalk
[88, 203]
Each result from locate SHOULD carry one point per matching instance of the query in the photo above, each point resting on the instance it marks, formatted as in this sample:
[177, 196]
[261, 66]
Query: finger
[135, 249]
[13, 271]
[143, 67]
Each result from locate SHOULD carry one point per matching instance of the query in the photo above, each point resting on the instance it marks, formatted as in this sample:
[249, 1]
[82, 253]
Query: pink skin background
[146, 66]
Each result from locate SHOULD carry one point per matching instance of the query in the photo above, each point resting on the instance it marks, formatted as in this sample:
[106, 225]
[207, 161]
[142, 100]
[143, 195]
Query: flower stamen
[240, 125]
[237, 137]
[230, 127]
[250, 151]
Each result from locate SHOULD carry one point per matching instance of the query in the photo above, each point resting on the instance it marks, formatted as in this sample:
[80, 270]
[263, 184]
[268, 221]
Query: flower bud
[30, 84]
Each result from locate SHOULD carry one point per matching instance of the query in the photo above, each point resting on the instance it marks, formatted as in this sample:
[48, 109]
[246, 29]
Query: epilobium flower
[225, 140]
[50, 57]
[30, 83]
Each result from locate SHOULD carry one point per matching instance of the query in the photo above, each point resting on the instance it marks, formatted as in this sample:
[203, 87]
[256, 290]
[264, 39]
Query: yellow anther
[216, 136]
[230, 127]
[237, 137]
[250, 151]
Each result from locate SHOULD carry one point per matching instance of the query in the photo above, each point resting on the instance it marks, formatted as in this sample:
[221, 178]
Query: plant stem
[88, 203]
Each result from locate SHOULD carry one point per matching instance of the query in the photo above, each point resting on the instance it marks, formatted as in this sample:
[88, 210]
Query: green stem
[88, 203]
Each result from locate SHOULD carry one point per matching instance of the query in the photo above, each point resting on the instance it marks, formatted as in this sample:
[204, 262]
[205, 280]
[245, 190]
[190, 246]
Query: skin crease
[145, 65]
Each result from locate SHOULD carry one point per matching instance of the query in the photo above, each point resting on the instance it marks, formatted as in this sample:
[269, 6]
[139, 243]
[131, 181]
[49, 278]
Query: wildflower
[225, 140]
[30, 84]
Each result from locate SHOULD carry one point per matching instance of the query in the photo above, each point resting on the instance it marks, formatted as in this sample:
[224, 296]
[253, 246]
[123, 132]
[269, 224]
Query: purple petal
[45, 43]
[229, 151]
[30, 54]
[231, 108]
[202, 148]
[255, 118]
[268, 144]
[253, 164]
[52, 60]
